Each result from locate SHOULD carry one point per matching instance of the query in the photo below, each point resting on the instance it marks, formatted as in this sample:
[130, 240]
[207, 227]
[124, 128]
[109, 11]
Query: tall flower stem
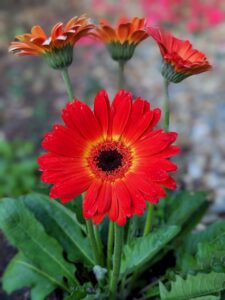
[99, 244]
[118, 247]
[91, 236]
[110, 245]
[69, 88]
[166, 107]
[148, 223]
[121, 79]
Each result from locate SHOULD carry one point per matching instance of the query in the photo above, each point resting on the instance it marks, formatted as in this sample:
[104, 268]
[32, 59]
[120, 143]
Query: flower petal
[79, 116]
[121, 104]
[69, 189]
[102, 111]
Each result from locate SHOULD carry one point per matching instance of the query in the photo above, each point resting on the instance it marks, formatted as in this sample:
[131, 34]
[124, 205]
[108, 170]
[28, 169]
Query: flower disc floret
[110, 160]
[113, 153]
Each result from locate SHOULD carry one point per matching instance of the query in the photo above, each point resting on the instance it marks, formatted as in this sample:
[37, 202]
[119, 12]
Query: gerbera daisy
[56, 49]
[122, 41]
[113, 153]
[180, 60]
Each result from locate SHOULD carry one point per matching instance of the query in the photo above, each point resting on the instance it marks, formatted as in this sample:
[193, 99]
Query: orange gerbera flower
[113, 153]
[180, 60]
[56, 49]
[122, 41]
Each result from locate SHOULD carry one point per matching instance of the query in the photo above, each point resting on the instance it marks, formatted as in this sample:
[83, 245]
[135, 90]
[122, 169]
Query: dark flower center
[109, 160]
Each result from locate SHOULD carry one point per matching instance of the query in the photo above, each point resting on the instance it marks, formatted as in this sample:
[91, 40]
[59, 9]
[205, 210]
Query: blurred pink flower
[89, 41]
[106, 7]
[196, 15]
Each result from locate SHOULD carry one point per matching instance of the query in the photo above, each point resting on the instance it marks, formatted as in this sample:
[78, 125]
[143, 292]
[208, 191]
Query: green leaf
[28, 235]
[141, 250]
[211, 232]
[21, 273]
[211, 255]
[76, 295]
[182, 207]
[204, 250]
[193, 286]
[210, 297]
[76, 206]
[61, 223]
[81, 292]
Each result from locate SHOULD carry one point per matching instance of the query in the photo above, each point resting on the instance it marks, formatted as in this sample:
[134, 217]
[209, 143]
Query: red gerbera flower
[180, 60]
[113, 153]
[56, 49]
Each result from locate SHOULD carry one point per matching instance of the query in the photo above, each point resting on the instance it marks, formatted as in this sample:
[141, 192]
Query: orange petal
[123, 32]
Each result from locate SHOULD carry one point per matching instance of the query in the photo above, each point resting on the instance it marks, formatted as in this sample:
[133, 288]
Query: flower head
[180, 60]
[113, 153]
[56, 49]
[122, 41]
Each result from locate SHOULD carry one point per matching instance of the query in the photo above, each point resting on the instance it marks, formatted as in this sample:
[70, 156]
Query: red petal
[157, 174]
[168, 152]
[138, 202]
[153, 145]
[98, 218]
[105, 198]
[123, 197]
[69, 189]
[114, 208]
[79, 116]
[102, 111]
[170, 183]
[64, 141]
[55, 162]
[90, 200]
[120, 112]
[155, 119]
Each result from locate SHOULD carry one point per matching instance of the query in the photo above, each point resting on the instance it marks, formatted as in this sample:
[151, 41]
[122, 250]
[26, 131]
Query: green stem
[148, 223]
[166, 119]
[121, 78]
[99, 244]
[110, 246]
[131, 228]
[118, 247]
[69, 88]
[91, 236]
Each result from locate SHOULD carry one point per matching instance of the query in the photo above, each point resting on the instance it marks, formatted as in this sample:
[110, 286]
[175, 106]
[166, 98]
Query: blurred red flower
[113, 153]
[180, 60]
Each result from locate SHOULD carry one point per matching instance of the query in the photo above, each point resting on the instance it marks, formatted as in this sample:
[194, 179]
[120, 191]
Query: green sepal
[121, 52]
[59, 58]
[169, 73]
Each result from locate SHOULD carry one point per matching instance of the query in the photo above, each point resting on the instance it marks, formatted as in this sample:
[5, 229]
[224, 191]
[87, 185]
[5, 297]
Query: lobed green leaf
[204, 250]
[198, 286]
[141, 250]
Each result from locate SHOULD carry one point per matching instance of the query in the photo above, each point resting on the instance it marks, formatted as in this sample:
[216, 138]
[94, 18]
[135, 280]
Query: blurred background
[32, 94]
